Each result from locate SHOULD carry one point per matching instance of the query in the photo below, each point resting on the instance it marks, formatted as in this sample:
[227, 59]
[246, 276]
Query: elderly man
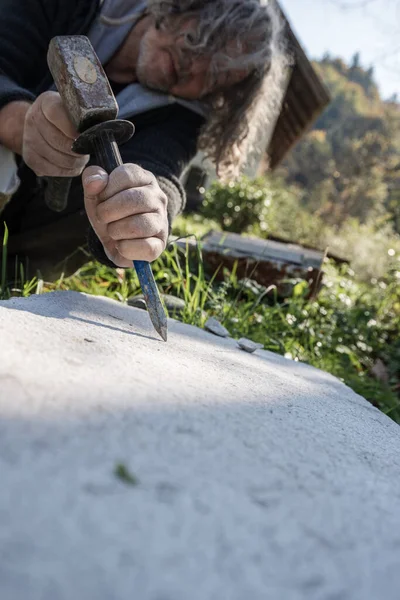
[190, 74]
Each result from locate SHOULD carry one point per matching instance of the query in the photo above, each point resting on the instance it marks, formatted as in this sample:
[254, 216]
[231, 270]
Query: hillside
[349, 165]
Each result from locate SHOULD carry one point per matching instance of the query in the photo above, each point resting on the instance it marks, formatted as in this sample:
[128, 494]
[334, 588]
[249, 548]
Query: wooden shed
[304, 100]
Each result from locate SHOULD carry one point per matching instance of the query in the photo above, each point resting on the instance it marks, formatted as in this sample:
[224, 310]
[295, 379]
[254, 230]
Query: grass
[122, 472]
[344, 331]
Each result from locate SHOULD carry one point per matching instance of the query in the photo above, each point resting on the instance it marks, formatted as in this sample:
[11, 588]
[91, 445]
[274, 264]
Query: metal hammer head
[81, 81]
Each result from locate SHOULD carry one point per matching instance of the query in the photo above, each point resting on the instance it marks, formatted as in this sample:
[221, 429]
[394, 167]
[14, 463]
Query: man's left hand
[128, 212]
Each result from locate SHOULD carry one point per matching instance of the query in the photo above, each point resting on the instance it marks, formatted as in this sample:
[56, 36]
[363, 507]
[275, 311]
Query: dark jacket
[165, 139]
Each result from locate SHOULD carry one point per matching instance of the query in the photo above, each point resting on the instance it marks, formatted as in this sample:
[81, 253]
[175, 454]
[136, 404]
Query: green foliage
[260, 207]
[284, 212]
[344, 331]
[349, 165]
[123, 474]
[372, 247]
[19, 286]
[239, 205]
[184, 225]
[352, 89]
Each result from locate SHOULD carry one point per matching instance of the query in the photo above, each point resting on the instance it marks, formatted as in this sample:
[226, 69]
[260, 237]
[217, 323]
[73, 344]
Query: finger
[139, 226]
[72, 162]
[36, 149]
[127, 203]
[125, 177]
[56, 138]
[54, 111]
[42, 167]
[145, 249]
[37, 122]
[94, 181]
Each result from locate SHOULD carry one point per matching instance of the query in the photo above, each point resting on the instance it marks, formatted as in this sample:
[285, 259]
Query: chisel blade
[152, 297]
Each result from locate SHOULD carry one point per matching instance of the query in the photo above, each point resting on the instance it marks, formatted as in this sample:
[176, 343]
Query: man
[189, 73]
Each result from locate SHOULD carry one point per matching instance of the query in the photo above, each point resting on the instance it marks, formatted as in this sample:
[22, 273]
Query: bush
[264, 207]
[239, 205]
[373, 249]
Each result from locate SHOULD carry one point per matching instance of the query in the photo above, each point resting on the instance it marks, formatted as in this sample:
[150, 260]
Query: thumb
[94, 181]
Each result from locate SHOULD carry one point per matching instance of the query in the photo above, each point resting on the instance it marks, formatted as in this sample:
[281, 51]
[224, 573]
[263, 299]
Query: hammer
[91, 106]
[84, 87]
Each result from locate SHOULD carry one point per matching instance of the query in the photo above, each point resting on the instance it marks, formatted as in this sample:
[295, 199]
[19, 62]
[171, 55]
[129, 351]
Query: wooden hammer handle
[56, 192]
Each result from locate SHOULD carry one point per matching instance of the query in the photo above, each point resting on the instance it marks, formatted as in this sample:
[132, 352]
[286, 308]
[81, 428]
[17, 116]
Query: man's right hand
[48, 137]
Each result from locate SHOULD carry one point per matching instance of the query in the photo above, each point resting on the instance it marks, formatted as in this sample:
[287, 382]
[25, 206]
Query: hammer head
[81, 81]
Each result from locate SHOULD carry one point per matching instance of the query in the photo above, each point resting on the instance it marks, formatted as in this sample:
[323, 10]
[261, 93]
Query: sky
[373, 30]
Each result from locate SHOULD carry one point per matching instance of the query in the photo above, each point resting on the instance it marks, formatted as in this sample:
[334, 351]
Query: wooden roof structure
[305, 99]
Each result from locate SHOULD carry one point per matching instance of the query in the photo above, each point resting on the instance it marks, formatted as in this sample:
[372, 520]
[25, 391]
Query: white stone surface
[259, 478]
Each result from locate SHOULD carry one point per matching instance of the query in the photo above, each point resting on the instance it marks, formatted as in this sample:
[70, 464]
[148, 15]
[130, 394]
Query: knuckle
[119, 231]
[74, 172]
[136, 171]
[106, 210]
[132, 177]
[77, 164]
[138, 197]
[65, 162]
[64, 144]
[122, 178]
[113, 230]
[163, 235]
[83, 161]
[144, 226]
[163, 198]
[137, 175]
[61, 142]
[152, 249]
[149, 177]
[102, 213]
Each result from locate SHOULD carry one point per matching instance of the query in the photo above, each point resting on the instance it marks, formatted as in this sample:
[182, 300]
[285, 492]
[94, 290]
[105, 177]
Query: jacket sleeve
[164, 147]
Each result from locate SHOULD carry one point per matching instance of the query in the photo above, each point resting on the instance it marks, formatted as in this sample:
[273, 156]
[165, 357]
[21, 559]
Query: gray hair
[236, 34]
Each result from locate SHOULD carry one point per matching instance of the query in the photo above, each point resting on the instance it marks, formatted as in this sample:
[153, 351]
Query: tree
[349, 165]
[355, 63]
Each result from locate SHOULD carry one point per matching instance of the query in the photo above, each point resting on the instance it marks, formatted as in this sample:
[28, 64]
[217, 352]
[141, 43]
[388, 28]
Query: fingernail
[97, 177]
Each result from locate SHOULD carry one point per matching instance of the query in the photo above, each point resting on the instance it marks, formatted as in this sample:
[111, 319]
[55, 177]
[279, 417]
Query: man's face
[165, 64]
